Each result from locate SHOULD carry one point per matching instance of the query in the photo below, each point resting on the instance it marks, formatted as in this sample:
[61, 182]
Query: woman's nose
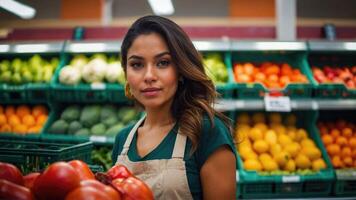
[150, 73]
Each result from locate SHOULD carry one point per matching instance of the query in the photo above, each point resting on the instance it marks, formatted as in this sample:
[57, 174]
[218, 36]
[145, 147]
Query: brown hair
[196, 92]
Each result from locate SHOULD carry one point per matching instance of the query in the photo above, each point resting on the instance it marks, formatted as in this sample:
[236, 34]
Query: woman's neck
[159, 117]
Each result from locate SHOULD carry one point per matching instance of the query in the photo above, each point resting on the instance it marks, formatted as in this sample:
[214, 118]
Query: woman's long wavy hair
[196, 92]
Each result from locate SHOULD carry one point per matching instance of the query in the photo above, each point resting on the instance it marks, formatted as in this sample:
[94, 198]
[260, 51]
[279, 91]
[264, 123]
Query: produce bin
[36, 92]
[317, 184]
[333, 60]
[35, 152]
[257, 52]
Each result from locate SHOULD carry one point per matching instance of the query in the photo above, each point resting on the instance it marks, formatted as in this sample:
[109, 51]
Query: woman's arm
[218, 175]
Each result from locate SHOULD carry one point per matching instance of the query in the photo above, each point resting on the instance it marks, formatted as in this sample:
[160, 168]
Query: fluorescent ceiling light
[29, 48]
[350, 45]
[22, 10]
[162, 7]
[279, 46]
[4, 48]
[90, 47]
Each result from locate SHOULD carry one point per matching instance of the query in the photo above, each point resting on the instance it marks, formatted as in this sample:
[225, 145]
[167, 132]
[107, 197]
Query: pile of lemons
[267, 143]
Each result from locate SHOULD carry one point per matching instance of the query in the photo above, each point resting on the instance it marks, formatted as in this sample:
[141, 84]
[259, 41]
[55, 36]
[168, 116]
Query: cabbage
[113, 72]
[94, 71]
[69, 75]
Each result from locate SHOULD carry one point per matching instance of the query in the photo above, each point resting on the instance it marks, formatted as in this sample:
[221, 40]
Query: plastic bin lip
[43, 47]
[340, 45]
[268, 45]
[93, 46]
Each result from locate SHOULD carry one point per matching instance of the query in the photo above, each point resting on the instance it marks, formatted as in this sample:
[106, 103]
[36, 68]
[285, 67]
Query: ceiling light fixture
[22, 10]
[162, 7]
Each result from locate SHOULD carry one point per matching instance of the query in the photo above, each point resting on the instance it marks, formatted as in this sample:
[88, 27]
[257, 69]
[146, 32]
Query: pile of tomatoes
[71, 181]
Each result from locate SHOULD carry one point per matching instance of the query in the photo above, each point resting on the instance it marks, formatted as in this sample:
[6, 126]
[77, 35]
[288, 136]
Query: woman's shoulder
[216, 124]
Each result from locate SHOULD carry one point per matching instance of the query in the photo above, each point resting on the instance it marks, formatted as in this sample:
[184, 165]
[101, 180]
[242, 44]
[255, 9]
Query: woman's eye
[163, 63]
[136, 65]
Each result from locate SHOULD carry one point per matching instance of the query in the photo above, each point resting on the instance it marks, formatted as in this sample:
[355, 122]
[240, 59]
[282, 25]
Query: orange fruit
[345, 152]
[252, 164]
[20, 128]
[323, 130]
[318, 164]
[9, 110]
[335, 133]
[23, 110]
[38, 110]
[342, 141]
[337, 162]
[14, 120]
[333, 149]
[3, 119]
[41, 119]
[348, 161]
[327, 139]
[347, 132]
[34, 129]
[5, 128]
[28, 120]
[354, 154]
[352, 142]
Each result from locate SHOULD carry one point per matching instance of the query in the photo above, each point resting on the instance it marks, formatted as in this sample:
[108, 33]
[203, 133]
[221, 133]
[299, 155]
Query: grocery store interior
[285, 71]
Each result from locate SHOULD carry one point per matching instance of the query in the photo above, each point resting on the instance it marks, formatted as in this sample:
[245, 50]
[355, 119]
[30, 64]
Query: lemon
[293, 149]
[307, 143]
[312, 152]
[255, 134]
[301, 135]
[290, 166]
[264, 156]
[319, 164]
[252, 164]
[275, 149]
[269, 165]
[280, 129]
[260, 146]
[262, 126]
[282, 158]
[302, 161]
[284, 139]
[271, 137]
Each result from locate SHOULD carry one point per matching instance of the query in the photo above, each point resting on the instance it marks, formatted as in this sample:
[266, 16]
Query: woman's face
[151, 74]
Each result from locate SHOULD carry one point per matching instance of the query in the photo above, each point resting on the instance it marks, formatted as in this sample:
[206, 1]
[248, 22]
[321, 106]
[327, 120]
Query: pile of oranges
[339, 139]
[270, 74]
[273, 142]
[22, 119]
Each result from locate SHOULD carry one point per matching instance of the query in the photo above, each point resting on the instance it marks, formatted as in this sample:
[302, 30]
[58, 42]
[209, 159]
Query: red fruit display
[11, 173]
[343, 75]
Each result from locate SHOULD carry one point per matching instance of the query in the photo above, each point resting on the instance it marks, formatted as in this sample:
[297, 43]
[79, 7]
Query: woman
[182, 148]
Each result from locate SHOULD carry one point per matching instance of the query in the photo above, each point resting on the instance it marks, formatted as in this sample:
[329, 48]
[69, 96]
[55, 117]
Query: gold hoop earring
[128, 92]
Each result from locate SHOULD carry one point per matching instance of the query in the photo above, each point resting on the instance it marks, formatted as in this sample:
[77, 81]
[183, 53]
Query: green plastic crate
[34, 152]
[318, 184]
[29, 92]
[332, 59]
[83, 92]
[258, 90]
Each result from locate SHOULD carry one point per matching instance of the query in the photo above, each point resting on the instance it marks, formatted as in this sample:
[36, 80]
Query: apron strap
[179, 146]
[130, 136]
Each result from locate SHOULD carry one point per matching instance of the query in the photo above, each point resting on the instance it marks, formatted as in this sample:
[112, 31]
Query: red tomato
[11, 173]
[83, 170]
[30, 179]
[133, 189]
[118, 171]
[88, 192]
[56, 181]
[111, 192]
[9, 190]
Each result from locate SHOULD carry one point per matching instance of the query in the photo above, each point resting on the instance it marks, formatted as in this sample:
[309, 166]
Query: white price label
[98, 86]
[95, 138]
[278, 104]
[291, 179]
[237, 176]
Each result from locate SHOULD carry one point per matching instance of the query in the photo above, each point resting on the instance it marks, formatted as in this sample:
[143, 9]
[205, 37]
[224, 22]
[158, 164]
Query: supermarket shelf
[243, 45]
[332, 46]
[307, 104]
[93, 46]
[31, 47]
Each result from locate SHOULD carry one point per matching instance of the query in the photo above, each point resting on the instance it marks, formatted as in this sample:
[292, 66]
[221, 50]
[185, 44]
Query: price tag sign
[291, 179]
[277, 104]
[99, 139]
[98, 86]
[346, 174]
[237, 176]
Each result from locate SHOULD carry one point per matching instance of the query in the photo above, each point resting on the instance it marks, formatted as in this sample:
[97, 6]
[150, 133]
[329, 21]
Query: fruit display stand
[333, 65]
[78, 90]
[292, 54]
[291, 185]
[336, 131]
[26, 70]
[35, 152]
[217, 60]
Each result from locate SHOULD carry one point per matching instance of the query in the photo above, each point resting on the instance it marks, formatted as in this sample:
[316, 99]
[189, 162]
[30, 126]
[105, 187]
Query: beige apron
[166, 177]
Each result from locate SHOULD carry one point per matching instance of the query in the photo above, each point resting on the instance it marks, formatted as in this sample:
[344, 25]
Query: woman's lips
[151, 92]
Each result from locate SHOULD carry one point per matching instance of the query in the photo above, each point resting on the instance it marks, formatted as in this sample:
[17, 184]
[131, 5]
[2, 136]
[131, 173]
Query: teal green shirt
[211, 139]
